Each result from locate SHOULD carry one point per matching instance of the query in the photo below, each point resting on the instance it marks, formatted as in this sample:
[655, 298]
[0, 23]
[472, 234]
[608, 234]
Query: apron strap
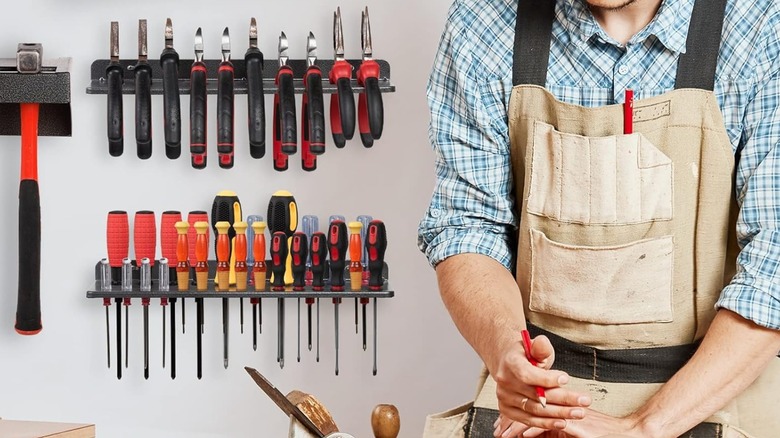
[695, 68]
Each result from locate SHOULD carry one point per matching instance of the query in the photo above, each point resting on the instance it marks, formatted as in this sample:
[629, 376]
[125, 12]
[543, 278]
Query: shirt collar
[670, 24]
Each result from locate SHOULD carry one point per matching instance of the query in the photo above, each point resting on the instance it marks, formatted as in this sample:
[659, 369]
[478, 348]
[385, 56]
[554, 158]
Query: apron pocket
[625, 284]
[613, 180]
[449, 424]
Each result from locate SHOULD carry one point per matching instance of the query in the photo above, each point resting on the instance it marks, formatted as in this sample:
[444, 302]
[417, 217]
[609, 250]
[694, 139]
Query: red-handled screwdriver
[376, 244]
[145, 246]
[299, 251]
[259, 272]
[337, 249]
[118, 242]
[223, 279]
[319, 254]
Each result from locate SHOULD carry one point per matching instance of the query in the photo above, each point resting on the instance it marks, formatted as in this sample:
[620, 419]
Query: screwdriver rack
[98, 84]
[212, 291]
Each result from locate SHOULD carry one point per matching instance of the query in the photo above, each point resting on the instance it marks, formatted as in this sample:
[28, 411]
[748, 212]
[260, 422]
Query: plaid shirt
[473, 210]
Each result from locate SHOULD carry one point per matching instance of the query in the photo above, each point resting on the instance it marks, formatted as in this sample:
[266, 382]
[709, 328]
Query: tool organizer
[212, 291]
[98, 84]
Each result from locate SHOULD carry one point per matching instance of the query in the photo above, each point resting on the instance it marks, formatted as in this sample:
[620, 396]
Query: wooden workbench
[37, 429]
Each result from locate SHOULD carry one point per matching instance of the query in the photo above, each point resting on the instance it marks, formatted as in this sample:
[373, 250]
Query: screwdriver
[223, 279]
[118, 241]
[146, 286]
[182, 281]
[168, 239]
[226, 207]
[259, 271]
[194, 217]
[376, 243]
[278, 265]
[283, 217]
[145, 245]
[202, 281]
[241, 252]
[310, 225]
[250, 240]
[105, 286]
[337, 249]
[356, 268]
[299, 251]
[319, 253]
[365, 220]
[127, 286]
[163, 285]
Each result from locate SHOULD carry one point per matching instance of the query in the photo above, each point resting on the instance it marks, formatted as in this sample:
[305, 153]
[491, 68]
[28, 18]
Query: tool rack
[98, 84]
[212, 291]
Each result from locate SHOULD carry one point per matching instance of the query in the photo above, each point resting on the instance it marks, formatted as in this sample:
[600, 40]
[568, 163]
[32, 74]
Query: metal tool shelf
[98, 84]
[212, 291]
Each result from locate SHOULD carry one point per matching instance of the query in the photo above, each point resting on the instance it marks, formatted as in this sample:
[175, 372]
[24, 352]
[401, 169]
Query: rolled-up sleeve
[472, 207]
[754, 292]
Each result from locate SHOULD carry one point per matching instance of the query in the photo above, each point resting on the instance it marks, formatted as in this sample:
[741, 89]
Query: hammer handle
[28, 310]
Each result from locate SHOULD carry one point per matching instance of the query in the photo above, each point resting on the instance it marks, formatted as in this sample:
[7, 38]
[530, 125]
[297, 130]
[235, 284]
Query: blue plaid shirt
[472, 209]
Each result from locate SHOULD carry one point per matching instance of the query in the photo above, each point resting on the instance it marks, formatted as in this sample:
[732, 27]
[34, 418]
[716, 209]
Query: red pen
[628, 112]
[527, 348]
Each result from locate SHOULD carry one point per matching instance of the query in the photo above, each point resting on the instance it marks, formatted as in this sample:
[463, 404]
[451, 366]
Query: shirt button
[623, 69]
[435, 212]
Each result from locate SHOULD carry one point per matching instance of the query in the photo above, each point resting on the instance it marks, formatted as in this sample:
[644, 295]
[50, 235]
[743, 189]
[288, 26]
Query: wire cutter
[285, 131]
[313, 110]
[225, 108]
[169, 62]
[370, 108]
[342, 103]
[198, 106]
[255, 97]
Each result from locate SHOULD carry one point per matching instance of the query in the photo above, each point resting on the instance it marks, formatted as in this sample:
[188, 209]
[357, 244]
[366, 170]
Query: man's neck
[622, 19]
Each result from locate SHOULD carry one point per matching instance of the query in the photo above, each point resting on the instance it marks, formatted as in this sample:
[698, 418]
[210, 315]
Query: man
[615, 244]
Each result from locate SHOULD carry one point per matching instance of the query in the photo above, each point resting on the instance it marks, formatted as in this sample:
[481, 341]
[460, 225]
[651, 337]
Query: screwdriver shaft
[173, 338]
[254, 327]
[163, 337]
[308, 310]
[375, 336]
[183, 313]
[336, 312]
[356, 316]
[146, 342]
[127, 337]
[108, 339]
[318, 329]
[225, 324]
[241, 305]
[199, 334]
[118, 338]
[364, 327]
[299, 329]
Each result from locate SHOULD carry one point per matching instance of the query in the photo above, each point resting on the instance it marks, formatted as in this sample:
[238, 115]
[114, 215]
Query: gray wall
[61, 374]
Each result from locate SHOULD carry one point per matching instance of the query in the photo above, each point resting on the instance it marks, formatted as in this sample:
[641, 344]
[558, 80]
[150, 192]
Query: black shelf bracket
[98, 84]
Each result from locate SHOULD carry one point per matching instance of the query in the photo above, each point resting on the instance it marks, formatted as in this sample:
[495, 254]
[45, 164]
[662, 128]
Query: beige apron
[624, 239]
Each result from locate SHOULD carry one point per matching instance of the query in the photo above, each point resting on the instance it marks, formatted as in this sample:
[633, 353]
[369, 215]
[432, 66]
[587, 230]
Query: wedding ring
[522, 403]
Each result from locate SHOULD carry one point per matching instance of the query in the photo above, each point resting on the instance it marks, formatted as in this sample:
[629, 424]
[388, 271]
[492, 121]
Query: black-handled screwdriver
[278, 267]
[337, 250]
[299, 251]
[376, 244]
[319, 255]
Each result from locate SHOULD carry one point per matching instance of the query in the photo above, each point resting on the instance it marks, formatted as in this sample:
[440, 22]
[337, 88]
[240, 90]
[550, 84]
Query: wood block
[37, 429]
[312, 408]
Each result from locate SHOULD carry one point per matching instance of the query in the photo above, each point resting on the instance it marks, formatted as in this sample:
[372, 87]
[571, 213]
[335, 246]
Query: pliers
[313, 110]
[143, 96]
[114, 79]
[255, 98]
[285, 131]
[225, 105]
[169, 61]
[342, 103]
[198, 106]
[370, 107]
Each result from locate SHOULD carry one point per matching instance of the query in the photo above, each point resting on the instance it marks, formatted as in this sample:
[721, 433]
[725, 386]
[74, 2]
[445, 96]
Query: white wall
[61, 374]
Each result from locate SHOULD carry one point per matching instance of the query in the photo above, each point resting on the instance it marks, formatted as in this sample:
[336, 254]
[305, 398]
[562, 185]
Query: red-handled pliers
[313, 110]
[285, 130]
[342, 103]
[370, 108]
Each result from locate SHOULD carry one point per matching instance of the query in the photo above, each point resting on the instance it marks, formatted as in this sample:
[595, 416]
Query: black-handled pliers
[370, 106]
[169, 61]
[285, 130]
[143, 96]
[313, 109]
[255, 96]
[114, 79]
[225, 122]
[198, 106]
[342, 103]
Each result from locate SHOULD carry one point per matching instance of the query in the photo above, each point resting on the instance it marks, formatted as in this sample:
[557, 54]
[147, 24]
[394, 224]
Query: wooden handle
[385, 421]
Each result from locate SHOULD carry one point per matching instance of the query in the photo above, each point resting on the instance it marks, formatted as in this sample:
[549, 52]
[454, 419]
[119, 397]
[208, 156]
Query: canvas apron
[625, 241]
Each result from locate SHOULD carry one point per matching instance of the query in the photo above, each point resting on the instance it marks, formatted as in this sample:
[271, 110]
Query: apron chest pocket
[625, 284]
[613, 180]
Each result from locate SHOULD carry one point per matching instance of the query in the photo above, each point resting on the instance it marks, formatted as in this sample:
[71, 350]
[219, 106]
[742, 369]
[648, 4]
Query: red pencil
[527, 348]
[628, 112]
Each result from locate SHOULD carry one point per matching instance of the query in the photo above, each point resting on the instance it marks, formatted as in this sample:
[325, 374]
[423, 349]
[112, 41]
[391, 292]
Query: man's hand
[593, 425]
[516, 382]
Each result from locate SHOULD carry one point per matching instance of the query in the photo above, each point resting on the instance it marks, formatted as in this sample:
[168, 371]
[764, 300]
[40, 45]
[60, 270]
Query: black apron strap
[696, 68]
[533, 34]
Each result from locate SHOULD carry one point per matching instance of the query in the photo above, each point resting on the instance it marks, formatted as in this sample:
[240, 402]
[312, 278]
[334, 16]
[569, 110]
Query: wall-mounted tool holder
[98, 84]
[114, 292]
